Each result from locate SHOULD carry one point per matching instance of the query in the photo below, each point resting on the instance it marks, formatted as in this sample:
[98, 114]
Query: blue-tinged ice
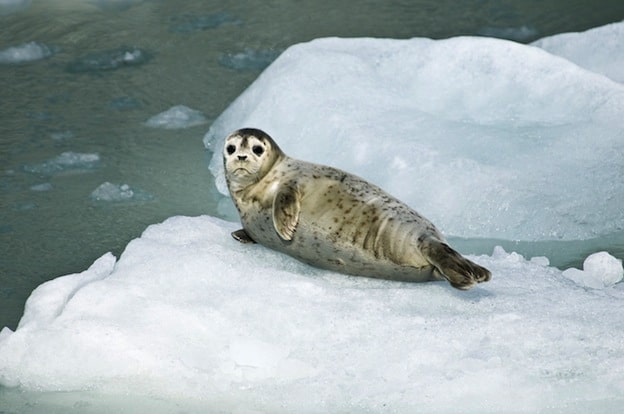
[124, 103]
[43, 187]
[197, 319]
[487, 138]
[118, 193]
[66, 162]
[177, 117]
[61, 136]
[109, 60]
[600, 50]
[520, 33]
[249, 59]
[25, 53]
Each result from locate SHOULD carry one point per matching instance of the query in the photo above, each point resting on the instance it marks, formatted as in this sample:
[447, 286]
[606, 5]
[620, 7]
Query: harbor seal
[334, 220]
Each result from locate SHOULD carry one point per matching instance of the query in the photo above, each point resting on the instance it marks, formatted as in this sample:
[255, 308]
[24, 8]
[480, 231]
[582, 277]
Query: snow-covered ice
[485, 137]
[187, 313]
[177, 117]
[24, 53]
[488, 138]
[600, 50]
[599, 270]
[66, 162]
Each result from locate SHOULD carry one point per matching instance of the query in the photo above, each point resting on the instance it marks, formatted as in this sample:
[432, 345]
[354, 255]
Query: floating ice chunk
[13, 6]
[112, 192]
[67, 161]
[512, 33]
[25, 206]
[61, 135]
[123, 103]
[41, 187]
[28, 52]
[177, 117]
[540, 260]
[600, 49]
[109, 192]
[248, 59]
[482, 136]
[110, 60]
[599, 270]
[49, 300]
[191, 23]
[189, 315]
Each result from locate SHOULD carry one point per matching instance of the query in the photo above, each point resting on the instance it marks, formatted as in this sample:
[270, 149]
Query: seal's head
[248, 155]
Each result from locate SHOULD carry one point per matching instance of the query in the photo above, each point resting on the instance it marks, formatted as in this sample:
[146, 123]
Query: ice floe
[485, 137]
[109, 60]
[109, 192]
[24, 53]
[65, 162]
[177, 117]
[187, 315]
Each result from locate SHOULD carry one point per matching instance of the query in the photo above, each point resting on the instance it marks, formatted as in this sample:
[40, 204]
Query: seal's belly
[373, 239]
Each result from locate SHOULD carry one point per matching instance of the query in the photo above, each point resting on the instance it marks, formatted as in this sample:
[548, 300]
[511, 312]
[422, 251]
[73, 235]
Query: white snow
[27, 52]
[599, 270]
[187, 313]
[600, 50]
[485, 137]
[488, 138]
[177, 117]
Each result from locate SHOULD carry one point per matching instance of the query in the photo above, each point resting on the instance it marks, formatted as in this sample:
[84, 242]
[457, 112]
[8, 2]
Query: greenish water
[64, 103]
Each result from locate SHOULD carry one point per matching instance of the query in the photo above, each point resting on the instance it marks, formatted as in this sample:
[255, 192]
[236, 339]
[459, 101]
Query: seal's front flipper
[460, 272]
[242, 236]
[286, 208]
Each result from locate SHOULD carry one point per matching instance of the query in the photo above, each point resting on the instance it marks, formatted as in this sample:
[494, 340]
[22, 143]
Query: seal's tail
[459, 271]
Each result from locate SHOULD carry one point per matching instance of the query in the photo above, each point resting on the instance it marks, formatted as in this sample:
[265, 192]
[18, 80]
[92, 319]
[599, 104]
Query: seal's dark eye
[258, 150]
[230, 149]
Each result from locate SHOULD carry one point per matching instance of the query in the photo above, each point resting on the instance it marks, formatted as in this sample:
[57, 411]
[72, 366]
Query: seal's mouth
[240, 171]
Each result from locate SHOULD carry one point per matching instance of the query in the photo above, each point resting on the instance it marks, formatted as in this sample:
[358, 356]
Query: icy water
[76, 118]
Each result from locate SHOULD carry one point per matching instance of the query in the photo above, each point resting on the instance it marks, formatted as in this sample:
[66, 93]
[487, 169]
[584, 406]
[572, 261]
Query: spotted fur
[334, 220]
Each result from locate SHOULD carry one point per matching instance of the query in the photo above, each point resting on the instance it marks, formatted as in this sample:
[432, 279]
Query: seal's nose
[242, 157]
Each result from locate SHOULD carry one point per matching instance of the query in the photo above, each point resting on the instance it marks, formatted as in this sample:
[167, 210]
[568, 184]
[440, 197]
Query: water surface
[112, 65]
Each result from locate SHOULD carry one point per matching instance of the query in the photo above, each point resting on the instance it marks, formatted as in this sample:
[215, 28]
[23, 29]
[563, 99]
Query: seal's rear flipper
[242, 236]
[459, 271]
